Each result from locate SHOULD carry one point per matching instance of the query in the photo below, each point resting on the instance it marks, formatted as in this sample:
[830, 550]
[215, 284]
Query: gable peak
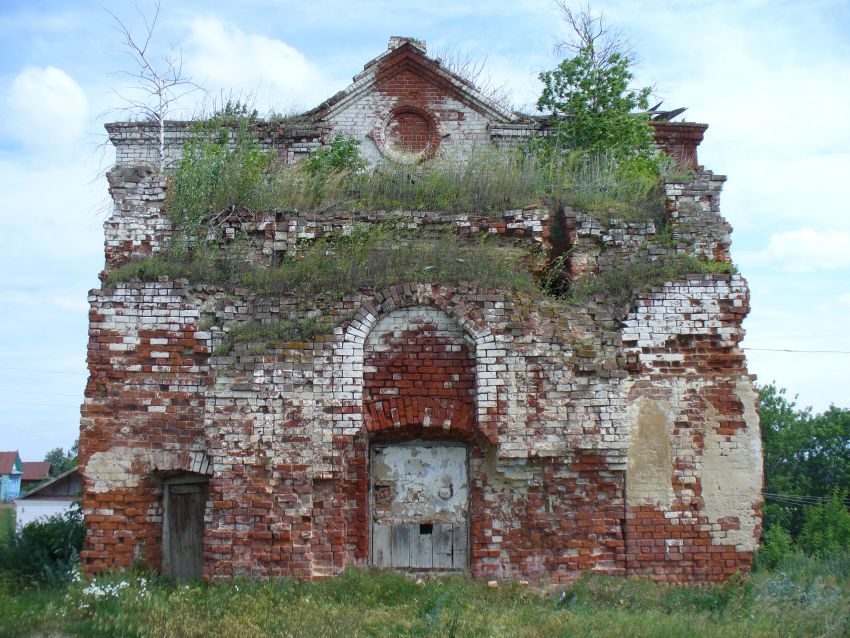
[397, 40]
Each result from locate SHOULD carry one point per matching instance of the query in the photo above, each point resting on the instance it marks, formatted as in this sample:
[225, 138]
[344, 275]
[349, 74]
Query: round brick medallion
[409, 134]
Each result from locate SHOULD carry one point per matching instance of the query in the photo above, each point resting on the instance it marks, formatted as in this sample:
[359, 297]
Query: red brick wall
[419, 374]
[680, 139]
[142, 418]
[410, 131]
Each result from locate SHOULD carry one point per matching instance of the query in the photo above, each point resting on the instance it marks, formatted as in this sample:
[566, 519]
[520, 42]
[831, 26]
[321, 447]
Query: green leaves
[343, 154]
[806, 458]
[594, 108]
[223, 167]
[827, 526]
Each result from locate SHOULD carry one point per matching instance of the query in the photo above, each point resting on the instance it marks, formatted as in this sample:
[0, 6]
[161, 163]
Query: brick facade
[620, 441]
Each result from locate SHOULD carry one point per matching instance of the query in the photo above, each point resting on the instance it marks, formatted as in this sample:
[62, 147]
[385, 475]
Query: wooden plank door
[183, 542]
[419, 506]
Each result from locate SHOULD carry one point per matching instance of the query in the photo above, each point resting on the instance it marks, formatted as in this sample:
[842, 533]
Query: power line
[40, 371]
[799, 499]
[46, 405]
[803, 351]
[45, 394]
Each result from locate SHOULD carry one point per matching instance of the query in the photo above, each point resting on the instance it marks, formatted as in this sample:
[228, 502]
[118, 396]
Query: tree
[157, 86]
[588, 95]
[60, 461]
[588, 29]
[827, 526]
[806, 457]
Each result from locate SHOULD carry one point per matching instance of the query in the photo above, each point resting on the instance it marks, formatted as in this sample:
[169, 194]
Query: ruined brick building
[439, 425]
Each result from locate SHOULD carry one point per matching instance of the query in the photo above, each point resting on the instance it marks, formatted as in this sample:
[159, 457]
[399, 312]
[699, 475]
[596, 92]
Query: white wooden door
[419, 504]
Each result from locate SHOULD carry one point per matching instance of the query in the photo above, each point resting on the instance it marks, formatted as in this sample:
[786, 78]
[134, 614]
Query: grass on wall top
[369, 256]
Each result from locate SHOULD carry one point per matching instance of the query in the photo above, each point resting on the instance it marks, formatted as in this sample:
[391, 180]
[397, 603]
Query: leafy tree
[593, 106]
[806, 457]
[827, 526]
[61, 461]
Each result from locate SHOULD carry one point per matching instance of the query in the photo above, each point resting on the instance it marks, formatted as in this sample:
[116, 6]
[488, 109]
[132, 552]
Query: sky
[771, 78]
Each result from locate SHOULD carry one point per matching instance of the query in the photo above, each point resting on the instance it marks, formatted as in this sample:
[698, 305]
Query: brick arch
[425, 375]
[179, 462]
[467, 315]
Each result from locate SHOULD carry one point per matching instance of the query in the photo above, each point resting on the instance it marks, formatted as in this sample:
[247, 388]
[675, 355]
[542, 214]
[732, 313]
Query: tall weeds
[229, 171]
[369, 256]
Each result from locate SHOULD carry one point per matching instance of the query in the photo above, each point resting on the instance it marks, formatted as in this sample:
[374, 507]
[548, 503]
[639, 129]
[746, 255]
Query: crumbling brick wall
[619, 440]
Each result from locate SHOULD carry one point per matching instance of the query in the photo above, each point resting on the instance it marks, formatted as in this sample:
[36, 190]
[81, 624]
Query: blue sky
[771, 78]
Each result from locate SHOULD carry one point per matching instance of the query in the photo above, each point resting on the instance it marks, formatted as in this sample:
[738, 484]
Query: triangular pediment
[407, 57]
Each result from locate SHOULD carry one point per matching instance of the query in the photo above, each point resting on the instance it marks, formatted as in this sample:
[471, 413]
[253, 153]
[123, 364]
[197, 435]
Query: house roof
[50, 486]
[35, 470]
[409, 53]
[9, 462]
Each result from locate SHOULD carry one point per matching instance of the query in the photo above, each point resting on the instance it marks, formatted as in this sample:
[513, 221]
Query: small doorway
[419, 506]
[184, 504]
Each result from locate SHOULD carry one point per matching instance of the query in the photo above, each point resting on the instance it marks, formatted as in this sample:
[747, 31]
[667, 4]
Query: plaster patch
[732, 474]
[649, 478]
[124, 467]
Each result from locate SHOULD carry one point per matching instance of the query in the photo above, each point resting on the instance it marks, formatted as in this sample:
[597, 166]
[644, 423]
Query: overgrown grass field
[801, 597]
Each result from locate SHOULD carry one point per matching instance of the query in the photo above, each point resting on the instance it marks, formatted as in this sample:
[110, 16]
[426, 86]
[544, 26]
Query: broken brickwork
[622, 440]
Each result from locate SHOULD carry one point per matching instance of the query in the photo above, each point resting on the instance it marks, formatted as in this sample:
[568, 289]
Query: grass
[803, 597]
[370, 256]
[489, 180]
[265, 336]
[7, 521]
[232, 172]
[626, 280]
[375, 256]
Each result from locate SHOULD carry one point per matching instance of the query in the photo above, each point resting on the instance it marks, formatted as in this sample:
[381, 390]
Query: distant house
[11, 471]
[54, 497]
[35, 472]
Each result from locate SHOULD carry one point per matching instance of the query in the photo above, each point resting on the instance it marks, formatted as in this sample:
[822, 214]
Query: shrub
[826, 528]
[44, 551]
[342, 154]
[223, 168]
[776, 547]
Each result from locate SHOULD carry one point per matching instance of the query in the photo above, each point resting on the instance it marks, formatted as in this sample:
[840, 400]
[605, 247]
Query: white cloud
[46, 108]
[221, 57]
[806, 250]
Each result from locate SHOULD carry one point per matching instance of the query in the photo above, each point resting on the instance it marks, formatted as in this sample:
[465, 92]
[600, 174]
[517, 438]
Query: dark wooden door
[184, 530]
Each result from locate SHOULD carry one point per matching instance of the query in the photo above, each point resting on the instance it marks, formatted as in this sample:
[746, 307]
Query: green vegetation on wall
[224, 169]
[594, 108]
[625, 280]
[368, 256]
[265, 336]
